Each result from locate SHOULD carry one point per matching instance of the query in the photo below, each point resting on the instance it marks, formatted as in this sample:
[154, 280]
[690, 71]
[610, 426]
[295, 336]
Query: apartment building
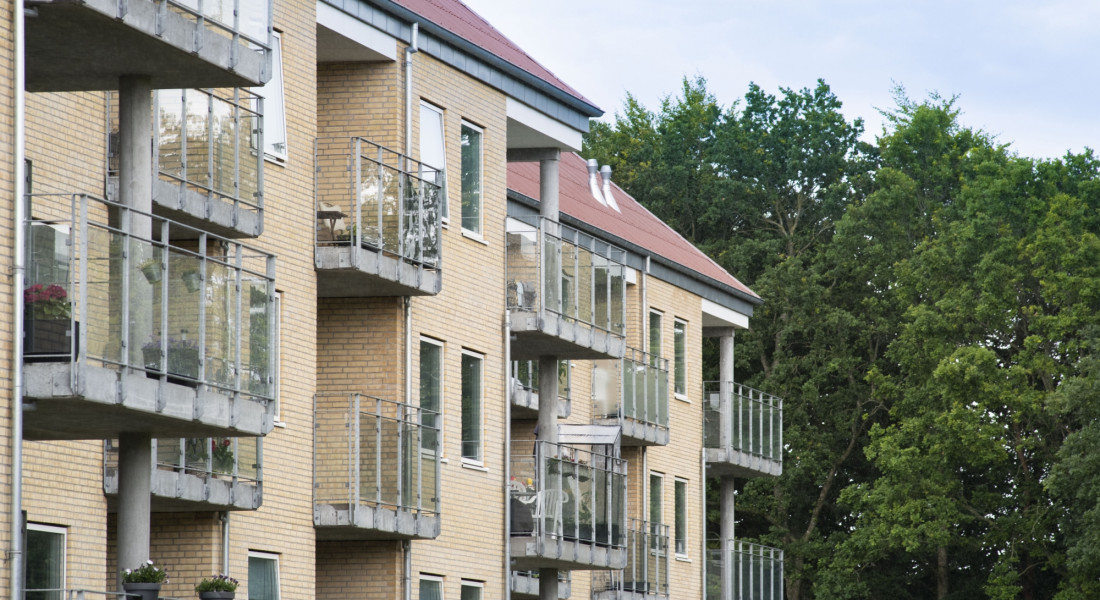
[318, 293]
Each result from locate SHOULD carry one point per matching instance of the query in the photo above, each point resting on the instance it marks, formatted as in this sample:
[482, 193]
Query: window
[655, 334]
[433, 153]
[431, 392]
[656, 483]
[263, 576]
[471, 407]
[680, 524]
[45, 561]
[471, 178]
[276, 346]
[679, 342]
[431, 588]
[274, 113]
[471, 590]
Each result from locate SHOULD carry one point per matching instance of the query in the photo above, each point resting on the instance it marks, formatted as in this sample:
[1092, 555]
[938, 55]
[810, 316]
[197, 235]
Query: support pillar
[135, 459]
[728, 489]
[548, 399]
[728, 545]
[548, 187]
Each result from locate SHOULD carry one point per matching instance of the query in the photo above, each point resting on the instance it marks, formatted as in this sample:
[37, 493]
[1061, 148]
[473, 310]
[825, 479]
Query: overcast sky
[1025, 71]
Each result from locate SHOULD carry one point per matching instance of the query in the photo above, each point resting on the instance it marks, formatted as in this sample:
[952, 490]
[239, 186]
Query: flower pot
[217, 595]
[151, 272]
[191, 281]
[147, 591]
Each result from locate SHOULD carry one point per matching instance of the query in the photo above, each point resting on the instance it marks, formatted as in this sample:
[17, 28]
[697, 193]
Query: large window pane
[274, 105]
[655, 334]
[431, 391]
[471, 407]
[471, 590]
[45, 566]
[471, 178]
[681, 516]
[679, 339]
[433, 154]
[431, 589]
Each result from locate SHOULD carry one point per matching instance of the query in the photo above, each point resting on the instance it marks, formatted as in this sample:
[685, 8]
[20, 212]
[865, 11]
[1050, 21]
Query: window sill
[281, 424]
[275, 160]
[474, 466]
[683, 558]
[470, 235]
[682, 398]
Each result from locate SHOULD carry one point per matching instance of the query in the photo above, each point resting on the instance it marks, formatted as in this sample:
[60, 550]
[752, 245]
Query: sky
[1025, 72]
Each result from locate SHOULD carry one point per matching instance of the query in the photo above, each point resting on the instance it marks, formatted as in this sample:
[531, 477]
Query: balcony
[756, 572]
[525, 389]
[378, 227]
[646, 572]
[742, 431]
[208, 164]
[197, 474]
[632, 392]
[144, 333]
[376, 470]
[525, 584]
[566, 291]
[88, 44]
[567, 508]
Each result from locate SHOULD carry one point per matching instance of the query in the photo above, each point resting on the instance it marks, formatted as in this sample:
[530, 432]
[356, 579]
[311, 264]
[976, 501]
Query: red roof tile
[634, 224]
[456, 17]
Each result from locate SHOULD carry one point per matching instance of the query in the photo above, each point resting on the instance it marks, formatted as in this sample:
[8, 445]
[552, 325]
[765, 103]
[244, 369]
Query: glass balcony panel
[249, 158]
[197, 127]
[170, 139]
[334, 451]
[256, 338]
[103, 290]
[221, 323]
[616, 307]
[571, 270]
[755, 420]
[601, 292]
[248, 458]
[223, 129]
[585, 280]
[631, 383]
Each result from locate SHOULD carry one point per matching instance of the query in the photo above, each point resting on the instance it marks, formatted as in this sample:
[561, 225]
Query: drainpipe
[15, 554]
[507, 454]
[411, 49]
[406, 547]
[225, 541]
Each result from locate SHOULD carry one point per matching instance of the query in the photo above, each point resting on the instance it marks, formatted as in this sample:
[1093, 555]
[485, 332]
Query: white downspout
[507, 454]
[411, 49]
[15, 555]
[225, 542]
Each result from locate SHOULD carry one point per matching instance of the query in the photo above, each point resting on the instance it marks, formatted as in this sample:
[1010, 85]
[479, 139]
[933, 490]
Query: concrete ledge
[174, 491]
[530, 553]
[728, 461]
[346, 272]
[337, 522]
[548, 334]
[526, 586]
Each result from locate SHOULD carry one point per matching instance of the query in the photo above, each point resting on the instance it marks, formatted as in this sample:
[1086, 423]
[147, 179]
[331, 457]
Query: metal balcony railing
[741, 418]
[756, 572]
[371, 197]
[136, 291]
[633, 391]
[375, 453]
[646, 571]
[525, 388]
[525, 584]
[209, 159]
[556, 269]
[563, 492]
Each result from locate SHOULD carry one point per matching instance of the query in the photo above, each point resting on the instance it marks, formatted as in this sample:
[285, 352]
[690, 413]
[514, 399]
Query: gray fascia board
[479, 63]
[660, 266]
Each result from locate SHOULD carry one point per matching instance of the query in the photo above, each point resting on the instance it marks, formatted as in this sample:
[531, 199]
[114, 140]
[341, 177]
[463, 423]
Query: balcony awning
[591, 435]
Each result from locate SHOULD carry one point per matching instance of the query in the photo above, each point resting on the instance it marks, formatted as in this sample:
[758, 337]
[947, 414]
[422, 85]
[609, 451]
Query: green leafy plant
[217, 583]
[222, 453]
[46, 302]
[146, 573]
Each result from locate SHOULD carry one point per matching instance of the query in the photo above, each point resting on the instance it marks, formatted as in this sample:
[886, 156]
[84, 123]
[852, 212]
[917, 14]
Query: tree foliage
[931, 319]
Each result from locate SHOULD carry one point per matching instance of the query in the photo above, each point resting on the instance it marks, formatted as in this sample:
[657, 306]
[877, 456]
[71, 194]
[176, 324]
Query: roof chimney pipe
[593, 182]
[607, 195]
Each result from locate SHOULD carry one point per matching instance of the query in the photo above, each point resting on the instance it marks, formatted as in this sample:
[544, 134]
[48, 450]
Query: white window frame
[679, 483]
[679, 326]
[274, 95]
[477, 233]
[655, 353]
[434, 578]
[278, 573]
[278, 346]
[469, 583]
[444, 212]
[655, 475]
[480, 459]
[442, 388]
[64, 533]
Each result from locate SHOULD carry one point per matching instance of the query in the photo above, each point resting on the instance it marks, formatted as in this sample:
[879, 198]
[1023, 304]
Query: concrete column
[135, 460]
[548, 187]
[725, 370]
[548, 399]
[548, 584]
[726, 526]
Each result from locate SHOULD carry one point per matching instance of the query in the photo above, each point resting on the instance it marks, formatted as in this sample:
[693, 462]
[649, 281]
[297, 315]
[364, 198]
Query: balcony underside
[107, 402]
[81, 45]
[638, 433]
[369, 522]
[210, 213]
[632, 590]
[525, 405]
[530, 553]
[548, 334]
[347, 272]
[188, 492]
[526, 586]
[730, 461]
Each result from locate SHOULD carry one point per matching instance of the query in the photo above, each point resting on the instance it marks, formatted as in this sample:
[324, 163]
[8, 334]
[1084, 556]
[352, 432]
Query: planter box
[182, 367]
[46, 340]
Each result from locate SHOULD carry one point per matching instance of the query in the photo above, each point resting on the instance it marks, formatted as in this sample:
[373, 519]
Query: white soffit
[343, 38]
[716, 315]
[529, 128]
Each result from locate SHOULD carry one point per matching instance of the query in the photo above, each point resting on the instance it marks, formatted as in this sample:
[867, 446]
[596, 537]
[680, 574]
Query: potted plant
[46, 320]
[183, 360]
[151, 269]
[192, 280]
[221, 451]
[217, 587]
[144, 581]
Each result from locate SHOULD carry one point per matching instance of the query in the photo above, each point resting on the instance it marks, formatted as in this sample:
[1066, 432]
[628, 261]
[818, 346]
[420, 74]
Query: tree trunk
[941, 572]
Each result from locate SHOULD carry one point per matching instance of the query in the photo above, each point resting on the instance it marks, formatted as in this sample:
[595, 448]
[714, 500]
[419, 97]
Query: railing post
[356, 456]
[379, 223]
[401, 466]
[402, 186]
